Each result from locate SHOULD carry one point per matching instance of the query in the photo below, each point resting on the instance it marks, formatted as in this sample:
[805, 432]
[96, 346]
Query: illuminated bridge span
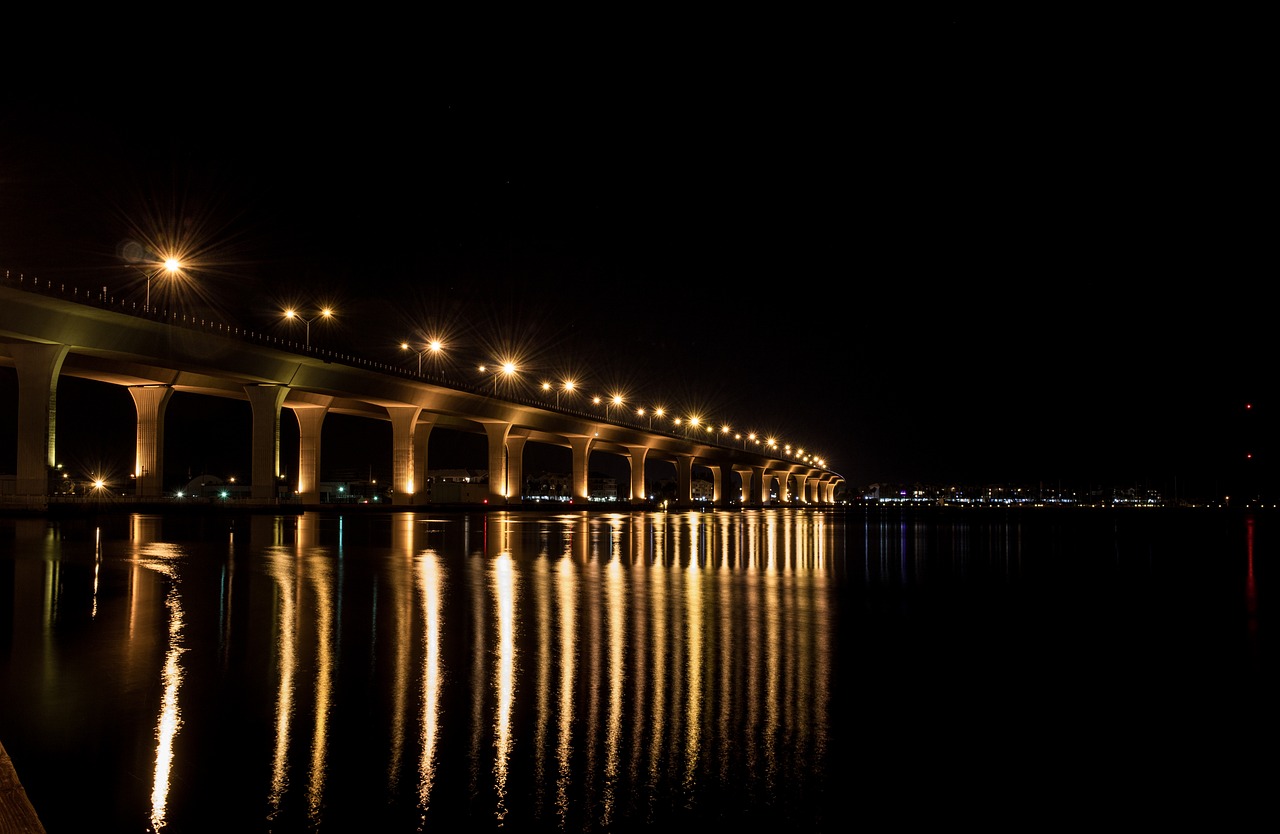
[49, 330]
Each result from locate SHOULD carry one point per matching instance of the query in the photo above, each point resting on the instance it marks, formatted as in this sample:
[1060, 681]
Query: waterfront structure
[49, 330]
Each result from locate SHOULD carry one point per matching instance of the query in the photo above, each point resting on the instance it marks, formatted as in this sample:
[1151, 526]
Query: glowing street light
[170, 265]
[326, 313]
[433, 346]
[507, 369]
[567, 386]
[616, 400]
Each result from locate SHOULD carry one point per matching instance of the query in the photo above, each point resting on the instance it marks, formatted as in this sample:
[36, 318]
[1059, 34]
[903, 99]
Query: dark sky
[950, 257]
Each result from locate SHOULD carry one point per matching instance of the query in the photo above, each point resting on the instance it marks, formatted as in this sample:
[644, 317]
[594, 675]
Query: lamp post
[507, 369]
[170, 265]
[433, 346]
[326, 313]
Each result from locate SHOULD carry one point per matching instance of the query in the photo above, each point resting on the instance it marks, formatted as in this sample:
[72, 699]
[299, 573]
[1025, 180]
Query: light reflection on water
[575, 671]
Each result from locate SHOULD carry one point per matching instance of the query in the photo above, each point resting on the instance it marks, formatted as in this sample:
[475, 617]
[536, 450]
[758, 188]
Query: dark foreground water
[815, 671]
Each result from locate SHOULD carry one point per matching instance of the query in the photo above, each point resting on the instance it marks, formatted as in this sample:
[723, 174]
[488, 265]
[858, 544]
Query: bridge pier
[265, 401]
[148, 469]
[404, 420]
[497, 434]
[38, 366]
[310, 422]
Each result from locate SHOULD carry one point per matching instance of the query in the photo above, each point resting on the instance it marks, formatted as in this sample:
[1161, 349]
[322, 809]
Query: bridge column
[720, 479]
[421, 436]
[148, 466]
[780, 479]
[684, 480]
[265, 400]
[310, 422]
[636, 459]
[38, 367]
[745, 475]
[403, 420]
[515, 468]
[497, 433]
[801, 497]
[581, 447]
[759, 486]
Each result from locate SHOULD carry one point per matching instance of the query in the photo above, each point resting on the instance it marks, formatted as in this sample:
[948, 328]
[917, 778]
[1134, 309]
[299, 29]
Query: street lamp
[507, 369]
[326, 313]
[170, 265]
[434, 346]
[616, 400]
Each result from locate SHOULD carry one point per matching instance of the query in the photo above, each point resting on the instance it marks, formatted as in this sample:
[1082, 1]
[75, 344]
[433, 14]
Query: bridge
[48, 330]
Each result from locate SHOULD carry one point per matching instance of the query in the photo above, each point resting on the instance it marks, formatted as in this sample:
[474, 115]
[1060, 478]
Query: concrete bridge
[50, 330]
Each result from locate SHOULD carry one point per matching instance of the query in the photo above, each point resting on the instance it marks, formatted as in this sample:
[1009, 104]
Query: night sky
[953, 259]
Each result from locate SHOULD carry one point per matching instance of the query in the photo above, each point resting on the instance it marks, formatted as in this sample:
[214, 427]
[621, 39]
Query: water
[385, 672]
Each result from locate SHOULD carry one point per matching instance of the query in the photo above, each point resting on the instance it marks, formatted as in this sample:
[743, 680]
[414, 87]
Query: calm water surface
[593, 672]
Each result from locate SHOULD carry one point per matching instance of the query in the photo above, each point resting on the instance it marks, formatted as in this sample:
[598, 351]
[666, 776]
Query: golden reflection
[97, 567]
[818, 659]
[658, 607]
[774, 691]
[752, 694]
[504, 593]
[320, 572]
[479, 653]
[170, 718]
[615, 594]
[638, 663]
[402, 550]
[430, 579]
[280, 565]
[567, 606]
[542, 596]
[693, 669]
[591, 661]
[307, 531]
[724, 700]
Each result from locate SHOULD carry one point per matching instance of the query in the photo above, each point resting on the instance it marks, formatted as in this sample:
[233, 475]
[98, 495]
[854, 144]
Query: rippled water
[595, 672]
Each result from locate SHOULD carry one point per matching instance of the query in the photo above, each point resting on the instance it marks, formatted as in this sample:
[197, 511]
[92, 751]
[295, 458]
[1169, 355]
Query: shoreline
[17, 814]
